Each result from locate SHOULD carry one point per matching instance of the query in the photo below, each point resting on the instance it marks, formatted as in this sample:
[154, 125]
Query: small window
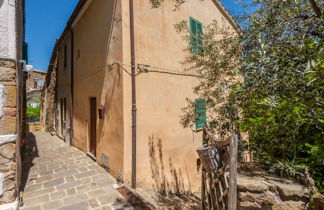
[65, 56]
[196, 31]
[78, 54]
[200, 112]
[35, 82]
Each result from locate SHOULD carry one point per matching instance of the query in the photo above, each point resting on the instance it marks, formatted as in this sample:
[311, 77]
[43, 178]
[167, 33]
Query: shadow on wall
[1, 3]
[171, 190]
[161, 183]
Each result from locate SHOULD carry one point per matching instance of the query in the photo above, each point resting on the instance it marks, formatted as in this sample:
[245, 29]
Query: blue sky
[45, 21]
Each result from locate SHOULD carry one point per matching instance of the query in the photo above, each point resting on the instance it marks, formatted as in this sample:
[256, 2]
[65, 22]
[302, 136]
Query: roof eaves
[228, 16]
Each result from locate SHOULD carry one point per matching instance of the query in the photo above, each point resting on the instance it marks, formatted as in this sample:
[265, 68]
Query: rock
[3, 160]
[270, 192]
[267, 199]
[9, 184]
[8, 197]
[247, 205]
[10, 92]
[8, 151]
[8, 125]
[12, 166]
[264, 199]
[289, 205]
[7, 74]
[251, 185]
[4, 168]
[7, 63]
[292, 191]
[246, 196]
[272, 187]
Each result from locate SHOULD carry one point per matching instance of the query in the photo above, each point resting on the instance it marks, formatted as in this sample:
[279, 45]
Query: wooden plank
[232, 196]
[216, 191]
[203, 188]
[212, 191]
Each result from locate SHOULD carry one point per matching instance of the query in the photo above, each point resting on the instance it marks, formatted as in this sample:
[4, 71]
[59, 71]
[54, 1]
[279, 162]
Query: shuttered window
[196, 30]
[200, 112]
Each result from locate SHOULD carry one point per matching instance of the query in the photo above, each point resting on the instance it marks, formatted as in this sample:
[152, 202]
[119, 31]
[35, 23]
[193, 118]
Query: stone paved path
[57, 176]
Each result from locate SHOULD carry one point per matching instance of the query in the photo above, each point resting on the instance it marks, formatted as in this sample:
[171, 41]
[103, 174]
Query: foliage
[266, 81]
[288, 169]
[33, 110]
[282, 97]
[157, 3]
[218, 70]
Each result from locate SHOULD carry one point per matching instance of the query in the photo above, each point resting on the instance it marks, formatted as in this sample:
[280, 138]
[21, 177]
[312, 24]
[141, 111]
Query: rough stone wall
[49, 100]
[259, 190]
[31, 76]
[34, 94]
[8, 130]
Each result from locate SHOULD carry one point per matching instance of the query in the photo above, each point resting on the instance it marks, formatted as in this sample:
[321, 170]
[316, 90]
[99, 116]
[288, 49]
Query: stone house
[11, 99]
[35, 80]
[115, 89]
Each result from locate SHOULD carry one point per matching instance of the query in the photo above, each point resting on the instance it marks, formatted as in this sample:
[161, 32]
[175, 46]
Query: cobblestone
[65, 178]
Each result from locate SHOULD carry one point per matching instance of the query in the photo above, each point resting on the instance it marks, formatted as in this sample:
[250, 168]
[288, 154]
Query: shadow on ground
[28, 153]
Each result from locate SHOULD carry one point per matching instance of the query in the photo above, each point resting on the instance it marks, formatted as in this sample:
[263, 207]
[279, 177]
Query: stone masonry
[8, 136]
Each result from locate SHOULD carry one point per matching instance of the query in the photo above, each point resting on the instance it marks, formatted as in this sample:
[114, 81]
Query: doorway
[93, 126]
[63, 115]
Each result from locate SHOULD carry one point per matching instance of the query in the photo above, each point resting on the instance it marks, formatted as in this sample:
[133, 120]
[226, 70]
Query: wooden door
[93, 126]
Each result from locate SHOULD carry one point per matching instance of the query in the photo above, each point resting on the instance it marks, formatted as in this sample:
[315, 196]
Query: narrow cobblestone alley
[57, 176]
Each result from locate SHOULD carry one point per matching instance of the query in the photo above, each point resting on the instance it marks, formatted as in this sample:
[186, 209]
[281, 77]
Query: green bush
[279, 56]
[33, 113]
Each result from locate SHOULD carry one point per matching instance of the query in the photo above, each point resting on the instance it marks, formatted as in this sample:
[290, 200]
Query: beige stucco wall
[160, 97]
[97, 44]
[64, 74]
[101, 36]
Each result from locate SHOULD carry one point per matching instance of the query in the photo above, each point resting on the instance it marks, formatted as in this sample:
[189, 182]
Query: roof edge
[227, 15]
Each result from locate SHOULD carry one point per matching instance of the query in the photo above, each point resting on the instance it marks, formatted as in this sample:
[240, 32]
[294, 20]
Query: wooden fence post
[232, 197]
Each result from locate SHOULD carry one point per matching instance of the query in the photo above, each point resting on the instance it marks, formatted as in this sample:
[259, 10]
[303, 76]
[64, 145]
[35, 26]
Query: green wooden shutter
[200, 111]
[199, 34]
[193, 33]
[196, 30]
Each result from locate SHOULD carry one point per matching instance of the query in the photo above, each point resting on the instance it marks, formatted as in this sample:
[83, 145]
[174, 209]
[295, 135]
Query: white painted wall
[8, 29]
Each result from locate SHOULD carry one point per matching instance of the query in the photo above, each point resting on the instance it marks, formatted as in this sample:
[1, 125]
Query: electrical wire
[164, 71]
[141, 68]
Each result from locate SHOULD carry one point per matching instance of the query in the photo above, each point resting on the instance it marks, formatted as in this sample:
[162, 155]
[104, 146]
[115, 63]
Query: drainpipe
[133, 74]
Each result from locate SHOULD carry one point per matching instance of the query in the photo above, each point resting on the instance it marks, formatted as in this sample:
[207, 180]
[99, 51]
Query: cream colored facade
[166, 152]
[64, 90]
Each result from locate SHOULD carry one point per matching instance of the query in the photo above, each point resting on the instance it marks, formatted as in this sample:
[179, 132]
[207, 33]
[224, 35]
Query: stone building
[11, 100]
[90, 98]
[49, 96]
[35, 80]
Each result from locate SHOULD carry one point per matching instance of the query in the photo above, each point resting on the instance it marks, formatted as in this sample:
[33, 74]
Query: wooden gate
[219, 185]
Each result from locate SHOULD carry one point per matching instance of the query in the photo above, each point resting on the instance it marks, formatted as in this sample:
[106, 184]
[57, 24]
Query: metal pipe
[133, 73]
